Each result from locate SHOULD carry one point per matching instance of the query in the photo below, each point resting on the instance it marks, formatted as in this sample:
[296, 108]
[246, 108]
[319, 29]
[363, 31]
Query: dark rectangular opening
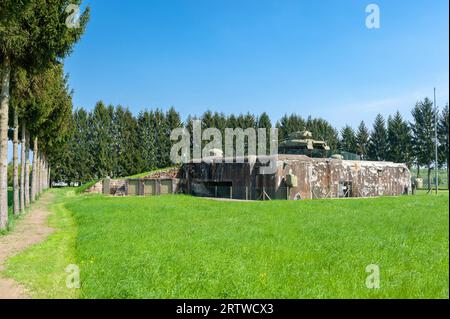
[219, 189]
[212, 189]
[345, 189]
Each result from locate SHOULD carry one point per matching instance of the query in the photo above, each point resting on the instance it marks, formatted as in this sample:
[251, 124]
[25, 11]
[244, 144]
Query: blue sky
[279, 56]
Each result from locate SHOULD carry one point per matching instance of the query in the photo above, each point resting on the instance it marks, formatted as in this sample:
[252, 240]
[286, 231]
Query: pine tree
[220, 121]
[296, 123]
[126, 137]
[423, 135]
[399, 140]
[80, 153]
[443, 139]
[362, 140]
[348, 139]
[102, 144]
[290, 124]
[160, 129]
[146, 146]
[322, 130]
[264, 122]
[247, 121]
[232, 122]
[173, 121]
[208, 120]
[378, 140]
[282, 126]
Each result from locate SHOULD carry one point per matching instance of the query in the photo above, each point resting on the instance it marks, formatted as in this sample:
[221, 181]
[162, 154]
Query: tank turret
[303, 143]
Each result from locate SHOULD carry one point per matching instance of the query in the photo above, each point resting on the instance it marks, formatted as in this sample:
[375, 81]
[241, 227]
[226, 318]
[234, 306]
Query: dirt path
[31, 230]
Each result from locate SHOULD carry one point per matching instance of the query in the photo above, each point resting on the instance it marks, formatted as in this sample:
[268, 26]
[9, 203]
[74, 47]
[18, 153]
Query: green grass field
[184, 247]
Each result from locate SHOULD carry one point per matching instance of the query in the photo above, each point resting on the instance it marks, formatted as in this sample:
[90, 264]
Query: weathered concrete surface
[316, 178]
[117, 187]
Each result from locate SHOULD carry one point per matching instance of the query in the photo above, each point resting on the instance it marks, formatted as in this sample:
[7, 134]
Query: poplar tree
[57, 126]
[20, 96]
[48, 114]
[33, 34]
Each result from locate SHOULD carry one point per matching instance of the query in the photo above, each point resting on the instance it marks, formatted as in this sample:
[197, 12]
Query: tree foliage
[399, 140]
[378, 140]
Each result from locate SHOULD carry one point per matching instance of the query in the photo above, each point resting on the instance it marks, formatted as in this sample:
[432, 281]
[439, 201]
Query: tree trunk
[49, 177]
[35, 170]
[38, 179]
[16, 206]
[38, 174]
[22, 169]
[5, 72]
[47, 174]
[43, 173]
[27, 170]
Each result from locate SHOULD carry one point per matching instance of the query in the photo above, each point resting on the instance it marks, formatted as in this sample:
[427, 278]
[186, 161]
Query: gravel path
[30, 230]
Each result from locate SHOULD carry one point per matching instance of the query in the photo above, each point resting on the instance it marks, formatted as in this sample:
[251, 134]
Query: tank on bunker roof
[303, 143]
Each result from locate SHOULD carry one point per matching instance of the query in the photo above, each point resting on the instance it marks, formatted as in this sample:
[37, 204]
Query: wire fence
[422, 175]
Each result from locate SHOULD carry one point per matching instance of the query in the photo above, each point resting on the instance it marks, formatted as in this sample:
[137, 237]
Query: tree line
[35, 101]
[111, 141]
